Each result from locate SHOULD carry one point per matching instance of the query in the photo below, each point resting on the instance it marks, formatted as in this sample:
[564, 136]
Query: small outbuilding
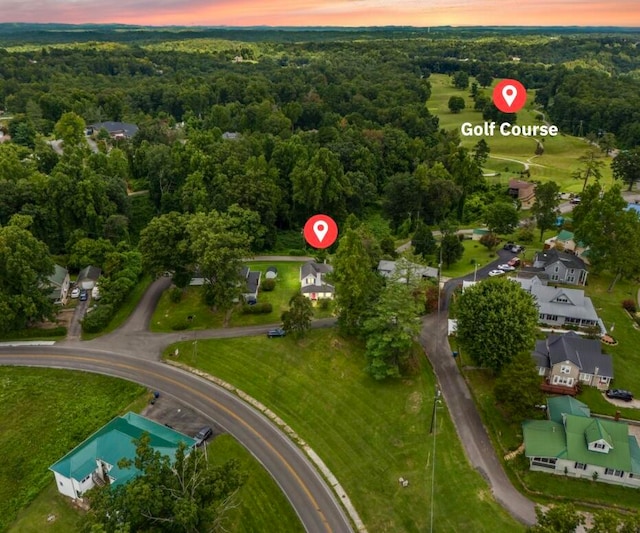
[271, 273]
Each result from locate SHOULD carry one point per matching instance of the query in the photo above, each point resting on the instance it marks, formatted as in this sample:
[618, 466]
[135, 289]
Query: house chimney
[596, 371]
[617, 417]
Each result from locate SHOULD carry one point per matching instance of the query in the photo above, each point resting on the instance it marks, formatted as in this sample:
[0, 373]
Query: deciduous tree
[187, 495]
[518, 387]
[626, 167]
[497, 319]
[423, 242]
[545, 206]
[557, 519]
[501, 217]
[451, 249]
[297, 320]
[391, 331]
[456, 104]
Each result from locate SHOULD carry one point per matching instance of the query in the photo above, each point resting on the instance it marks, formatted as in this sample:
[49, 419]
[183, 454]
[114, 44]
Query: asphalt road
[312, 499]
[462, 408]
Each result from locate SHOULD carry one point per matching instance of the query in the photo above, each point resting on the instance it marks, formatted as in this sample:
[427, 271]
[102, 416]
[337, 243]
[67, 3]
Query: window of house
[585, 377]
[572, 271]
[557, 269]
[563, 380]
[562, 299]
[555, 277]
[552, 317]
[599, 445]
[571, 279]
[565, 369]
[631, 476]
[614, 472]
[580, 466]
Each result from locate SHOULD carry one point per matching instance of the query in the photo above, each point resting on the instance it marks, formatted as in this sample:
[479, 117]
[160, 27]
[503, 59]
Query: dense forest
[278, 124]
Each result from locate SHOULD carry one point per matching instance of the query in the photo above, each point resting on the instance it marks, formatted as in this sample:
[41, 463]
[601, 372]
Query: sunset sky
[328, 12]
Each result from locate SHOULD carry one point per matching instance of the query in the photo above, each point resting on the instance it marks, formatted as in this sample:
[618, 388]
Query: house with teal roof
[574, 444]
[95, 461]
[565, 241]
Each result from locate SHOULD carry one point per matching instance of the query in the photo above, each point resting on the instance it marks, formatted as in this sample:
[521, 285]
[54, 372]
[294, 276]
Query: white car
[506, 268]
[75, 292]
[496, 273]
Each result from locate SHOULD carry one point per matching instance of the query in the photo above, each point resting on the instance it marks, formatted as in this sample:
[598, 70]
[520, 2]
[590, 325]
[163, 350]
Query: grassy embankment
[368, 433]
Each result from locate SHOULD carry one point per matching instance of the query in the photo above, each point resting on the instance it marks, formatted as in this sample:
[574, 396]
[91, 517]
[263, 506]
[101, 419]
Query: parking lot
[169, 411]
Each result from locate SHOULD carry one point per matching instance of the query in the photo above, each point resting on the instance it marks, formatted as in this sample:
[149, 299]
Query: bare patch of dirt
[414, 402]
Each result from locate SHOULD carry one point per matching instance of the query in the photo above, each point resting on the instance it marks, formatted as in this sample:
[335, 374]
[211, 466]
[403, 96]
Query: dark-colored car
[619, 394]
[278, 332]
[203, 435]
[84, 295]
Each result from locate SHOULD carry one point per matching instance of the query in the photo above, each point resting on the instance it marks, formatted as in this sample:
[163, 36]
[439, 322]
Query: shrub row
[98, 319]
[59, 331]
[257, 309]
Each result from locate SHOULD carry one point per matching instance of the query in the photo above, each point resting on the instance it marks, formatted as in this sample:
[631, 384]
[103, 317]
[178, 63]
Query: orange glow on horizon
[331, 12]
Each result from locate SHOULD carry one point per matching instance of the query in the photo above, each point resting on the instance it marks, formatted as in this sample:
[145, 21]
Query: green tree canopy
[451, 249]
[501, 217]
[423, 241]
[456, 104]
[70, 128]
[497, 319]
[391, 331]
[626, 167]
[187, 496]
[545, 206]
[25, 265]
[297, 320]
[355, 282]
[518, 387]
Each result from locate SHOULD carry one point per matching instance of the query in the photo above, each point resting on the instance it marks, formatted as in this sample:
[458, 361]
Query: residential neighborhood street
[132, 352]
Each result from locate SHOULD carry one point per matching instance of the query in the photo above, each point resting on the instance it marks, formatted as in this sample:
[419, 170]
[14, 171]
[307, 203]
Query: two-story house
[561, 267]
[312, 282]
[570, 359]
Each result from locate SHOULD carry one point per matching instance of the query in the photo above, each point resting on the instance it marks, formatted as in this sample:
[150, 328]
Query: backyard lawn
[368, 433]
[168, 314]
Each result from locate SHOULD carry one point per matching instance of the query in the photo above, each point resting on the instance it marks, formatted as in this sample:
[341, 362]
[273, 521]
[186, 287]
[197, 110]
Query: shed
[271, 273]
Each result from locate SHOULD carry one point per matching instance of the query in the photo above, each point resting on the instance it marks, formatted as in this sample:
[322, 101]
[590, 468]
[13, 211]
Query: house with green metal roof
[95, 461]
[574, 444]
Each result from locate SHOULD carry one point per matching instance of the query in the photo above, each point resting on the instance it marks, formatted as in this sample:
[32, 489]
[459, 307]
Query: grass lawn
[167, 313]
[42, 420]
[125, 310]
[474, 253]
[261, 505]
[561, 153]
[368, 433]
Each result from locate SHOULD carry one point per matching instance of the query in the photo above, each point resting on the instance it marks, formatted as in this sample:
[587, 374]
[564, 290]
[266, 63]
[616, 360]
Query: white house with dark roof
[560, 306]
[569, 359]
[117, 130]
[561, 267]
[251, 279]
[312, 281]
[88, 277]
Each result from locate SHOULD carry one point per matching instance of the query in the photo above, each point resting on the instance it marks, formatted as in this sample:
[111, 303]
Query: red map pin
[320, 231]
[509, 96]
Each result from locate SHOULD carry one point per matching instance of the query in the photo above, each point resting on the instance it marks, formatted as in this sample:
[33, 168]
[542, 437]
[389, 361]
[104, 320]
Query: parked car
[496, 273]
[83, 295]
[202, 435]
[514, 262]
[575, 200]
[506, 267]
[513, 248]
[278, 332]
[619, 394]
[75, 292]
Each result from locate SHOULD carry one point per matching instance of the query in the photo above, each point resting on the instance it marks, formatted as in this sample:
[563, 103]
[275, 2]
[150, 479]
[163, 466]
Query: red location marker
[509, 96]
[320, 231]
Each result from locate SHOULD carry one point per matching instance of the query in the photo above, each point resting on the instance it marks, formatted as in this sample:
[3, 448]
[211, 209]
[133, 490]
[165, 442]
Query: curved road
[132, 352]
[310, 496]
[462, 408]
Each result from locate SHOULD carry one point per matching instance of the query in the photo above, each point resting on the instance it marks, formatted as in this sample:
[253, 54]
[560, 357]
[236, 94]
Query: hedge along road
[310, 496]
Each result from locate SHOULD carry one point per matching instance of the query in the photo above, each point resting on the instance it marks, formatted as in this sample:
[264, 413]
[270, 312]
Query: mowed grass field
[48, 412]
[167, 313]
[45, 413]
[561, 153]
[368, 433]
